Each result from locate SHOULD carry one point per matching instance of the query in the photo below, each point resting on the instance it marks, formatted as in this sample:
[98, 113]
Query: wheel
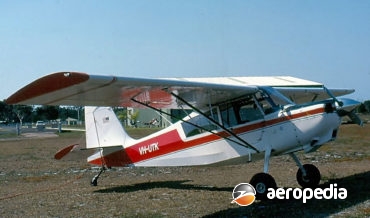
[262, 182]
[312, 179]
[94, 181]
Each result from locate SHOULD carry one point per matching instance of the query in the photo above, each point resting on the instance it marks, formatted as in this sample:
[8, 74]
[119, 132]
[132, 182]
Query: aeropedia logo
[244, 193]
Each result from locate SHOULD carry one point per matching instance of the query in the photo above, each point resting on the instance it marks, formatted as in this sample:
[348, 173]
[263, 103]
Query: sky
[324, 41]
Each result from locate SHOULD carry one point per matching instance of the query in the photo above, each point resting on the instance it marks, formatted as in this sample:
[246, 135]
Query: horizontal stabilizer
[63, 152]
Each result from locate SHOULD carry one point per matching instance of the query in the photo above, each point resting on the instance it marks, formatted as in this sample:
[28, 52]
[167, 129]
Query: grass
[33, 179]
[6, 133]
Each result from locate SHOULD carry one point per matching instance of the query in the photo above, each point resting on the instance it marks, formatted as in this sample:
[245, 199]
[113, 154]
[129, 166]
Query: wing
[73, 88]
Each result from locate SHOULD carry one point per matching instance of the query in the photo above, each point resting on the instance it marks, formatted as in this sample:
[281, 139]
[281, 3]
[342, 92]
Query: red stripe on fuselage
[171, 141]
[166, 143]
[118, 158]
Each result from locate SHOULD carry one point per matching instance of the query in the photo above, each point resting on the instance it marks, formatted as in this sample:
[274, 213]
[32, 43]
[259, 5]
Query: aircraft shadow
[356, 185]
[162, 184]
[358, 191]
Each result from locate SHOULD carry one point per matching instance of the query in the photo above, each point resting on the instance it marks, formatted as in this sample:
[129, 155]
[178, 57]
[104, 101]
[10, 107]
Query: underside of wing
[298, 90]
[73, 88]
[309, 94]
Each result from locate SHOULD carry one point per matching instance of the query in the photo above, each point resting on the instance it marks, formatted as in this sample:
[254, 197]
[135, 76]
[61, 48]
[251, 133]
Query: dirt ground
[33, 184]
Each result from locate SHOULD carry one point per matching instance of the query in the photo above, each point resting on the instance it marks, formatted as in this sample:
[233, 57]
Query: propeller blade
[355, 118]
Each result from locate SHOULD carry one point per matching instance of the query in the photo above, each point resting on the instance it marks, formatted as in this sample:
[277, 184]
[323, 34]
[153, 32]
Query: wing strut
[333, 96]
[244, 144]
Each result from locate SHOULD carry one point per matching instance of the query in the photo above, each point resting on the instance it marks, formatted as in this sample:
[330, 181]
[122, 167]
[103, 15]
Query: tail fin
[103, 129]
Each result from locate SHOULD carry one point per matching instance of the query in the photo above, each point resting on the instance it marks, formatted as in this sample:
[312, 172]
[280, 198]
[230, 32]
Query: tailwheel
[94, 181]
[312, 178]
[262, 182]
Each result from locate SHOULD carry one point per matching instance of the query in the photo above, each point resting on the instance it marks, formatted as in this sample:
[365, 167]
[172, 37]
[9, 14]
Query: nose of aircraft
[348, 109]
[349, 104]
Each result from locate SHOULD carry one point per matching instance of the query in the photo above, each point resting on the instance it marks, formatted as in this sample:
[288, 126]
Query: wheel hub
[260, 187]
[306, 178]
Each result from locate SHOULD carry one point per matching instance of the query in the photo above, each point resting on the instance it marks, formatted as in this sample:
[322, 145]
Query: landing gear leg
[308, 175]
[263, 181]
[94, 181]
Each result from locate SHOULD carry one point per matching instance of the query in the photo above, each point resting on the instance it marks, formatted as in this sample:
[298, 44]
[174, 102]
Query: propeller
[346, 107]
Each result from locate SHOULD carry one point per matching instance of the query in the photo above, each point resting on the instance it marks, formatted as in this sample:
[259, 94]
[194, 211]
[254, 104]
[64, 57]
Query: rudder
[103, 129]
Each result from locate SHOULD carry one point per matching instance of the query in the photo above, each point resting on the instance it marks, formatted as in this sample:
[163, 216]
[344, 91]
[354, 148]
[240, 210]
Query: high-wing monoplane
[233, 119]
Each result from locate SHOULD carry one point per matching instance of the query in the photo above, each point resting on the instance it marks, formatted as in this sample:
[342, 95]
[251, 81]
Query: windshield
[277, 98]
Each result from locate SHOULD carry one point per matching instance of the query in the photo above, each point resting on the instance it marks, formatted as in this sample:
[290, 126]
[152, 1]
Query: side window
[241, 111]
[228, 116]
[247, 109]
[200, 124]
[249, 112]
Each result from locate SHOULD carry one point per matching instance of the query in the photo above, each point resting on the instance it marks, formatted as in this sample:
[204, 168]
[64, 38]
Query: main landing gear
[308, 176]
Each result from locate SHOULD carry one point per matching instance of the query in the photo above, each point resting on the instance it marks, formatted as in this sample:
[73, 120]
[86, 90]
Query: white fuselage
[305, 128]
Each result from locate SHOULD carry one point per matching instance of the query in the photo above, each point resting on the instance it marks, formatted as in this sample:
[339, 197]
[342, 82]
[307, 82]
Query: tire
[261, 183]
[312, 179]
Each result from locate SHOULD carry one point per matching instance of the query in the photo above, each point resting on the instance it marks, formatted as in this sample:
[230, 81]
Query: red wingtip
[47, 84]
[63, 152]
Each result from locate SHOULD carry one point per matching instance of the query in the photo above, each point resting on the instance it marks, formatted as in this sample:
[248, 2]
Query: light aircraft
[234, 119]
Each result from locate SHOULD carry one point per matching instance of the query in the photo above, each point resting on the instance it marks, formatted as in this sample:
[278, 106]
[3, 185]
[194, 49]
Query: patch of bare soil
[43, 134]
[33, 184]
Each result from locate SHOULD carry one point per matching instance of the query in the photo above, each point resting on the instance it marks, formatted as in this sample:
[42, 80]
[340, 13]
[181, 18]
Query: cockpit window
[276, 97]
[229, 114]
[249, 112]
[265, 103]
[240, 111]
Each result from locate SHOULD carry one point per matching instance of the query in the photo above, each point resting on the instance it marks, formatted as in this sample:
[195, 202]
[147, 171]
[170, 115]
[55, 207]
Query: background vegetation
[30, 114]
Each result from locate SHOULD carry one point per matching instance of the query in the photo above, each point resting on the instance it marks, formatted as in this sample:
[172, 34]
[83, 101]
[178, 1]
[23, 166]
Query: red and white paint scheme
[234, 119]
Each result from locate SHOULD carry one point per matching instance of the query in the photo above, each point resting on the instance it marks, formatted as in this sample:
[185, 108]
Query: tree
[47, 113]
[22, 112]
[133, 115]
[6, 112]
[121, 114]
[70, 111]
[367, 106]
[364, 107]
